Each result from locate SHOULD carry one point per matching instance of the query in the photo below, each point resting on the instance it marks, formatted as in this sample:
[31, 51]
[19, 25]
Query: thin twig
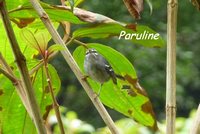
[21, 63]
[5, 65]
[55, 103]
[195, 129]
[73, 65]
[10, 77]
[171, 67]
[70, 41]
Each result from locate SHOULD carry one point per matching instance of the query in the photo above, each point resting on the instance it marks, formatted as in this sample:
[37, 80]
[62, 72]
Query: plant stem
[195, 129]
[55, 103]
[74, 67]
[171, 67]
[21, 63]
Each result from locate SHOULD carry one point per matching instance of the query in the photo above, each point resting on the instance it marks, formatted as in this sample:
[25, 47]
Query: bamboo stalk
[74, 67]
[195, 129]
[21, 63]
[171, 67]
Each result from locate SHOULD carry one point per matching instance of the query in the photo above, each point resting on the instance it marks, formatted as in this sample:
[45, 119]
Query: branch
[73, 65]
[5, 65]
[171, 67]
[195, 129]
[21, 63]
[10, 77]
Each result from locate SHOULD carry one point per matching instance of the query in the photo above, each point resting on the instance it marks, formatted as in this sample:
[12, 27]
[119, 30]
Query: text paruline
[146, 35]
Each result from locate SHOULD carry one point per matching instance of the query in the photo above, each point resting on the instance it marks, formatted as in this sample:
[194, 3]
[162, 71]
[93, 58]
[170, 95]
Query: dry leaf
[23, 22]
[67, 28]
[196, 3]
[134, 7]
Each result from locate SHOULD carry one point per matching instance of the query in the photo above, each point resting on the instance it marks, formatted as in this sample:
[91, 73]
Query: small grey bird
[98, 68]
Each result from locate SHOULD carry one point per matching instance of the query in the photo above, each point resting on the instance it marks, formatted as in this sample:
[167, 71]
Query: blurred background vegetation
[150, 63]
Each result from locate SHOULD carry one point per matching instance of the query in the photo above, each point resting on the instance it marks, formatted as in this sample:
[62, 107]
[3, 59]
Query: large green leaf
[26, 11]
[114, 29]
[127, 97]
[13, 116]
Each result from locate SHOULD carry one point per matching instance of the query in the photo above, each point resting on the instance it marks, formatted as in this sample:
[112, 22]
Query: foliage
[125, 125]
[149, 62]
[12, 110]
[136, 103]
[72, 124]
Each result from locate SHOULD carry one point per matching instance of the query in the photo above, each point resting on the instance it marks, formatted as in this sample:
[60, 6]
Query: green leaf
[13, 116]
[71, 2]
[38, 40]
[55, 47]
[56, 14]
[12, 4]
[76, 2]
[127, 97]
[113, 29]
[42, 91]
[5, 47]
[39, 25]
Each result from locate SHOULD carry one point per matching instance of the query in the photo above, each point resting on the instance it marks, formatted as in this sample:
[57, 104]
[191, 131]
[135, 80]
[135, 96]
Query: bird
[98, 68]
